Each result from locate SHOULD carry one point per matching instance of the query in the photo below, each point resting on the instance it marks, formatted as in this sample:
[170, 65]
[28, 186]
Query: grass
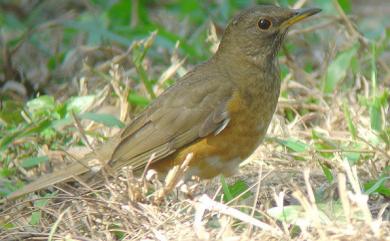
[78, 75]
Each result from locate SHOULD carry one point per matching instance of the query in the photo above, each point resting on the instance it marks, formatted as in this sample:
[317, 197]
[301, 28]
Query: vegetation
[73, 72]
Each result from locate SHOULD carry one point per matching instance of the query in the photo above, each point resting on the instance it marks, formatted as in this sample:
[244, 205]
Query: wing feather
[174, 121]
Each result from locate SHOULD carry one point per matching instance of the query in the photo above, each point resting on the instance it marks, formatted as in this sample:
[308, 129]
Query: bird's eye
[264, 24]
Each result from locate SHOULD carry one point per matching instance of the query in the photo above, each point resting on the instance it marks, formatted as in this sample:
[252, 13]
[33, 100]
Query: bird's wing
[193, 108]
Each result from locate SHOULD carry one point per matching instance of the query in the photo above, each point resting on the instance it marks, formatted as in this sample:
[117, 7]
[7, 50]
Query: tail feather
[65, 174]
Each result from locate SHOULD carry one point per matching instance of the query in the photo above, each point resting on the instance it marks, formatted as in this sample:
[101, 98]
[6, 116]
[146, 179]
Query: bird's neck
[258, 83]
[249, 69]
[256, 76]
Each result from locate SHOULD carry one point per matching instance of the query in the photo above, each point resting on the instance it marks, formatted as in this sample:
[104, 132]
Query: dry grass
[129, 208]
[123, 209]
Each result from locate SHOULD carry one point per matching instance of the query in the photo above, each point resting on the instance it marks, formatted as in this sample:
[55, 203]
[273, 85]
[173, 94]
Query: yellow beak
[299, 15]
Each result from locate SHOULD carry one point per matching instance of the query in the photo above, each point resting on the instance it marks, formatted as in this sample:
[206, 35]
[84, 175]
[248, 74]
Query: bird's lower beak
[299, 15]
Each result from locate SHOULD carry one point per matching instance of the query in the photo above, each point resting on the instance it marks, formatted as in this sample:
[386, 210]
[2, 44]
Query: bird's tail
[73, 170]
[100, 155]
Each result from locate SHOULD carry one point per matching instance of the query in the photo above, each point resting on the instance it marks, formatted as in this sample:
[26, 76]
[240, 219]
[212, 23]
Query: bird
[219, 111]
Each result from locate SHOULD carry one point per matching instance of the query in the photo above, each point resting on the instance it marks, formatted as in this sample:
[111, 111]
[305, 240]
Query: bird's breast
[222, 152]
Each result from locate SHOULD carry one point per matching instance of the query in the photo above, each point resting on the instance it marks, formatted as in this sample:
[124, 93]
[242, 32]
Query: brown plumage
[219, 111]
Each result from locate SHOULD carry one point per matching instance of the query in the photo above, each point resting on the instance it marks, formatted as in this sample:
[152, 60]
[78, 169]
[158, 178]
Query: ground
[73, 72]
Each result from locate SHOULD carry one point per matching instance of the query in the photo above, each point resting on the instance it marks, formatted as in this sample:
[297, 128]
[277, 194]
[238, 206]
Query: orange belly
[223, 152]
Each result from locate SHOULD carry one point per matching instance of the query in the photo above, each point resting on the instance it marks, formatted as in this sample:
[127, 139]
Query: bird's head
[258, 32]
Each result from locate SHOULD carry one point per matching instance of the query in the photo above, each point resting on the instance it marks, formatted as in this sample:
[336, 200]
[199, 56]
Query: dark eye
[264, 24]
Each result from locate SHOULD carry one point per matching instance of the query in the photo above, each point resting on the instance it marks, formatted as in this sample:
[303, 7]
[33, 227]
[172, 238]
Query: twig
[209, 204]
[299, 4]
[55, 225]
[374, 147]
[151, 158]
[343, 196]
[116, 60]
[81, 131]
[173, 178]
[256, 197]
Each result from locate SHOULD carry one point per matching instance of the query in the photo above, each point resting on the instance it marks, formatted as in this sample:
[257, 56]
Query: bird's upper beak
[299, 15]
